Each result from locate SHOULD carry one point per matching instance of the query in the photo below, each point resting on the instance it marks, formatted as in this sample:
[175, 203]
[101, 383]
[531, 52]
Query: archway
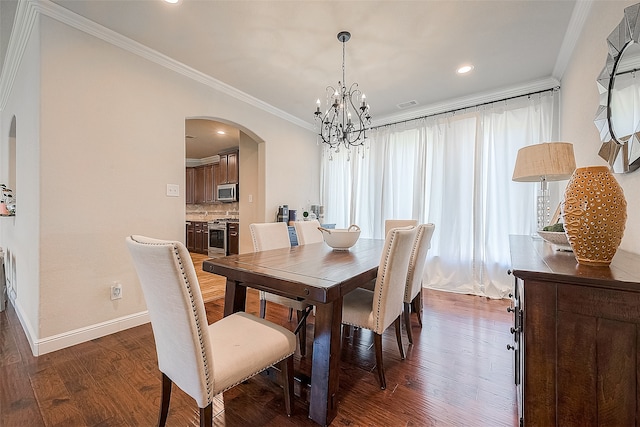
[203, 140]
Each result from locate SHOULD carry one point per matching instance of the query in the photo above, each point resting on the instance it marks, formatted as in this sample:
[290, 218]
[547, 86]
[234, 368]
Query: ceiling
[285, 53]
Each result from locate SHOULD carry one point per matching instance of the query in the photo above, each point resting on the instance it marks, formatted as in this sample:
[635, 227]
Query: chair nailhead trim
[412, 264]
[384, 272]
[197, 318]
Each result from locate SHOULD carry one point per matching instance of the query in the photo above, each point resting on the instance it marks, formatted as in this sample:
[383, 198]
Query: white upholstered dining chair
[307, 232]
[203, 360]
[376, 310]
[413, 287]
[275, 235]
[394, 223]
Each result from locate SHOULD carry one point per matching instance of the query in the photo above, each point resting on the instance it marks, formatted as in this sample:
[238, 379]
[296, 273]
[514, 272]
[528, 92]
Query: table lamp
[548, 161]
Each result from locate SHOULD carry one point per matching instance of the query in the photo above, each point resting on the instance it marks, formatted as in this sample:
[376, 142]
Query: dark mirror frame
[619, 151]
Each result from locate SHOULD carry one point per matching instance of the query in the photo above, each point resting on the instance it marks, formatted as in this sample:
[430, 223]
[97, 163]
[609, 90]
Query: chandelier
[347, 116]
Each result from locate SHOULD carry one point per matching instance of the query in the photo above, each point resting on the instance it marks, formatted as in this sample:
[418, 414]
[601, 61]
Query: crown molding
[574, 31]
[24, 25]
[24, 21]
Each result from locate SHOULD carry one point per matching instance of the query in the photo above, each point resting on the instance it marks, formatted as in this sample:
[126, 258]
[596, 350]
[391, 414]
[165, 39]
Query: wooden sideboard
[576, 337]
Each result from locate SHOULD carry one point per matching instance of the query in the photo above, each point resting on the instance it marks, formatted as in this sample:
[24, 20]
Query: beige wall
[109, 139]
[580, 101]
[19, 235]
[251, 199]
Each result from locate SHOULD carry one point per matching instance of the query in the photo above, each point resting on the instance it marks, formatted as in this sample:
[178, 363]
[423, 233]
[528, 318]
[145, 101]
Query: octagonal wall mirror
[618, 116]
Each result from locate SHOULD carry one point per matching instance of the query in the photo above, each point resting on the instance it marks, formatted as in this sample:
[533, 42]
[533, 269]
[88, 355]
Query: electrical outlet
[116, 291]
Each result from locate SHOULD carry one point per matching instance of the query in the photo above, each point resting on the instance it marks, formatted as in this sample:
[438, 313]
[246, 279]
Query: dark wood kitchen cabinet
[191, 236]
[233, 238]
[227, 171]
[209, 184]
[197, 237]
[576, 337]
[190, 185]
[200, 183]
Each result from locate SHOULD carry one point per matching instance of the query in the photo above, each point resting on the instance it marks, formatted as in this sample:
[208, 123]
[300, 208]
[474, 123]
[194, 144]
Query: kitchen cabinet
[576, 332]
[191, 237]
[197, 238]
[209, 184]
[200, 183]
[190, 185]
[233, 238]
[227, 172]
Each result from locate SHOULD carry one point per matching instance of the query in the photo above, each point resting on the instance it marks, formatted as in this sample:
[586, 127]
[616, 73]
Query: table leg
[235, 297]
[325, 370]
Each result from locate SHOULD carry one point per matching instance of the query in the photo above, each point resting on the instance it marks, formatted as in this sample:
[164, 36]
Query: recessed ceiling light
[464, 69]
[221, 132]
[172, 1]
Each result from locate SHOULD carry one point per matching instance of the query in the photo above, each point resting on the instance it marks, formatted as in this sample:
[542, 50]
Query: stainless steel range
[218, 237]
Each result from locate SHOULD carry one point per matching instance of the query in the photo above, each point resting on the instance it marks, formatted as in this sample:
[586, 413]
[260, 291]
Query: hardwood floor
[211, 285]
[457, 373]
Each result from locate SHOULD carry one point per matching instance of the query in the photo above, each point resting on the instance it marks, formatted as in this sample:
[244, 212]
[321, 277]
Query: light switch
[173, 190]
[250, 198]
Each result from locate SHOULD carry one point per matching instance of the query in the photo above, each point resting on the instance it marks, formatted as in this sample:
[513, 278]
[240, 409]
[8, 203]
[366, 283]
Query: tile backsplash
[210, 211]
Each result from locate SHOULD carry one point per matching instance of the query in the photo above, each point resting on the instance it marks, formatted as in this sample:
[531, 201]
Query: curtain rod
[553, 89]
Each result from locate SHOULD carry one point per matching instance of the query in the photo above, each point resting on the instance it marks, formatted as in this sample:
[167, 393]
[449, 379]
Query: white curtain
[454, 171]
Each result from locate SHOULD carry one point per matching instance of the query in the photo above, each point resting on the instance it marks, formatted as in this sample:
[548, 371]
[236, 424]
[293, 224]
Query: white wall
[580, 101]
[111, 136]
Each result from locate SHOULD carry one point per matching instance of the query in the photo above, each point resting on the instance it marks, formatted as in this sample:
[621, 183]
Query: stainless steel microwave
[228, 192]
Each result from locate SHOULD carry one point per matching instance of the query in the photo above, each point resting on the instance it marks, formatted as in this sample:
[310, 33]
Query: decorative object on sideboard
[548, 161]
[595, 213]
[556, 235]
[345, 120]
[617, 119]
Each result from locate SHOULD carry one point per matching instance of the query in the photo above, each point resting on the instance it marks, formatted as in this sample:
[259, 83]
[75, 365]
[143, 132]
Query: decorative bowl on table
[341, 239]
[556, 238]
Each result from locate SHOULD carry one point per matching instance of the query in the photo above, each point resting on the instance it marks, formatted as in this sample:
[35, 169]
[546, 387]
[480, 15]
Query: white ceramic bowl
[341, 239]
[556, 238]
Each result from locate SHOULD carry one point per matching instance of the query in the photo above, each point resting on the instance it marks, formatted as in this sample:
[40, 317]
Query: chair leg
[206, 416]
[290, 314]
[302, 333]
[399, 337]
[286, 366]
[377, 343]
[407, 321]
[263, 307]
[164, 400]
[417, 307]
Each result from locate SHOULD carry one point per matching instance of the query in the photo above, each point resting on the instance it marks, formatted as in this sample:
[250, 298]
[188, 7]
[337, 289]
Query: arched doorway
[206, 138]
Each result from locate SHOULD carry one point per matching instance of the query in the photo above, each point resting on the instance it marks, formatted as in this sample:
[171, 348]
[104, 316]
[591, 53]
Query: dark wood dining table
[320, 276]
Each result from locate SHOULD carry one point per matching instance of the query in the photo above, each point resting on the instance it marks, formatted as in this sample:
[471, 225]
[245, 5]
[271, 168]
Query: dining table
[317, 274]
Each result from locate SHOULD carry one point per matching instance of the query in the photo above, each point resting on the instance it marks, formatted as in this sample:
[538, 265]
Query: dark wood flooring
[457, 373]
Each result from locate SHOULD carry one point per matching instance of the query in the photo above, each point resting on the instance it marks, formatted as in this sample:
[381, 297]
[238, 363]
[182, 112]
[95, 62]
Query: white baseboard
[77, 336]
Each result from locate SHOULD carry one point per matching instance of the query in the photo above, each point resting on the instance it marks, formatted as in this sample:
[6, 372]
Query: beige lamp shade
[549, 161]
